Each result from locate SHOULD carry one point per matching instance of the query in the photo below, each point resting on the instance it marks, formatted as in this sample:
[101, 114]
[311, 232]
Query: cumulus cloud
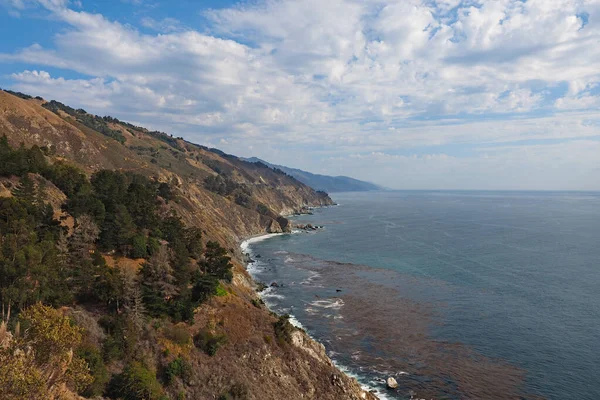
[341, 77]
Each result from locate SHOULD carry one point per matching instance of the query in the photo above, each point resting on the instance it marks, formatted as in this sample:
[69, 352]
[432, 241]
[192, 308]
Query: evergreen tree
[133, 301]
[193, 240]
[158, 282]
[216, 262]
[118, 230]
[26, 190]
[85, 234]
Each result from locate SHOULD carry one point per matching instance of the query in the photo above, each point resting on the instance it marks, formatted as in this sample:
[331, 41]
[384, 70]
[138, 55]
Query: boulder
[391, 383]
[285, 224]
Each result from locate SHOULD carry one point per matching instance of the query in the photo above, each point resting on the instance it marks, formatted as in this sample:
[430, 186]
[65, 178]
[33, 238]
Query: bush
[120, 340]
[95, 362]
[136, 382]
[205, 287]
[178, 334]
[243, 200]
[139, 246]
[221, 292]
[209, 342]
[283, 329]
[236, 392]
[178, 368]
[262, 209]
[153, 246]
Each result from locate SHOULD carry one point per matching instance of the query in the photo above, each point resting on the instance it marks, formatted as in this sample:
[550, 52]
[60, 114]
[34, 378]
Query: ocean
[457, 295]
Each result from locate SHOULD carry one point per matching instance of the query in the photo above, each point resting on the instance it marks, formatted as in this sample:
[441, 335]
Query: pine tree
[26, 190]
[133, 299]
[158, 282]
[84, 236]
[62, 248]
[216, 262]
[118, 230]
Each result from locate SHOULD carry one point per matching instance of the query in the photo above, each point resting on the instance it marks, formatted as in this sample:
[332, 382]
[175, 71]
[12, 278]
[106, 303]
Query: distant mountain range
[329, 184]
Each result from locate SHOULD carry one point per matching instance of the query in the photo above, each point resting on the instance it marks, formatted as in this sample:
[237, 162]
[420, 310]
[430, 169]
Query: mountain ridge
[326, 183]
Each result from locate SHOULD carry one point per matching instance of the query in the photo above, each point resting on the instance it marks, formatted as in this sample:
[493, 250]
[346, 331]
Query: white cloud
[165, 25]
[340, 77]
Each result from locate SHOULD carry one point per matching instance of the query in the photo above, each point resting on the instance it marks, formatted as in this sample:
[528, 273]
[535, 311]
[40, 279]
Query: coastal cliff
[245, 351]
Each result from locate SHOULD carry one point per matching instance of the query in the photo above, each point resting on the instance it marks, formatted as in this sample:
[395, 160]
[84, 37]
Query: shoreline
[245, 248]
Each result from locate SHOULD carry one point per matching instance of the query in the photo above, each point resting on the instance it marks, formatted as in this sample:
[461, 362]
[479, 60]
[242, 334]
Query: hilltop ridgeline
[119, 261]
[326, 183]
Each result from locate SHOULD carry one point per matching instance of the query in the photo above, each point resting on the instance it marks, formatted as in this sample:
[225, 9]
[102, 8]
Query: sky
[409, 94]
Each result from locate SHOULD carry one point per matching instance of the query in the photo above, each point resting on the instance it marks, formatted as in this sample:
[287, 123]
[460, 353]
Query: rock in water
[391, 383]
[285, 224]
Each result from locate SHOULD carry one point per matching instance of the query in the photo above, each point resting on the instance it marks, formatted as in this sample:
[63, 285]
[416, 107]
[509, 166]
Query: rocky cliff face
[240, 199]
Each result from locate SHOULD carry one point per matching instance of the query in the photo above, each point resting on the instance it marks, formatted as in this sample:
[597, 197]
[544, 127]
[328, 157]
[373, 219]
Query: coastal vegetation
[124, 243]
[43, 261]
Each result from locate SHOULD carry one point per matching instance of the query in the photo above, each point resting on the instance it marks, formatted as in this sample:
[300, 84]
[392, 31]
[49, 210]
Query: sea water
[458, 295]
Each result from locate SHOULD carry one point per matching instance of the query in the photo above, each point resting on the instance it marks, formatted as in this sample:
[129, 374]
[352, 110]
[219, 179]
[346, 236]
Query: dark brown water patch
[385, 332]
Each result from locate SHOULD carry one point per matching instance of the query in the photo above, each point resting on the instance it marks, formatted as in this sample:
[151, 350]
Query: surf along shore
[368, 391]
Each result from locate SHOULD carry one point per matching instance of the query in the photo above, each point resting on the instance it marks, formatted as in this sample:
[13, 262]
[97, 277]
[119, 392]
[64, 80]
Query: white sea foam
[311, 278]
[294, 321]
[366, 387]
[336, 304]
[269, 293]
[245, 245]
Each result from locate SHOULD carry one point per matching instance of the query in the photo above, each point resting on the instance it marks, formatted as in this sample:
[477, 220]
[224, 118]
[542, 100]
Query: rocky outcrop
[308, 227]
[349, 386]
[285, 224]
[274, 227]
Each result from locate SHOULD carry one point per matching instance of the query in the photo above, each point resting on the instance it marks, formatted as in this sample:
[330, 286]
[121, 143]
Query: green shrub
[178, 368]
[236, 392]
[283, 329]
[136, 382]
[139, 246]
[262, 209]
[243, 200]
[220, 292]
[209, 342]
[205, 287]
[95, 362]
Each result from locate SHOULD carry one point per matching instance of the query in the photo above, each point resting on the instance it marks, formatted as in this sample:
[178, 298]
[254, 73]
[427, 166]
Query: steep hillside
[330, 184]
[135, 254]
[226, 208]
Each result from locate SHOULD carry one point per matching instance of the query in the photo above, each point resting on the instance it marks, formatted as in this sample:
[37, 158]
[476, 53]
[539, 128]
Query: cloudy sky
[412, 94]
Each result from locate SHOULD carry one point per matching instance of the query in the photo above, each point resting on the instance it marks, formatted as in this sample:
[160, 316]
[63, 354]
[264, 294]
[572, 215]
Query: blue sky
[417, 94]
